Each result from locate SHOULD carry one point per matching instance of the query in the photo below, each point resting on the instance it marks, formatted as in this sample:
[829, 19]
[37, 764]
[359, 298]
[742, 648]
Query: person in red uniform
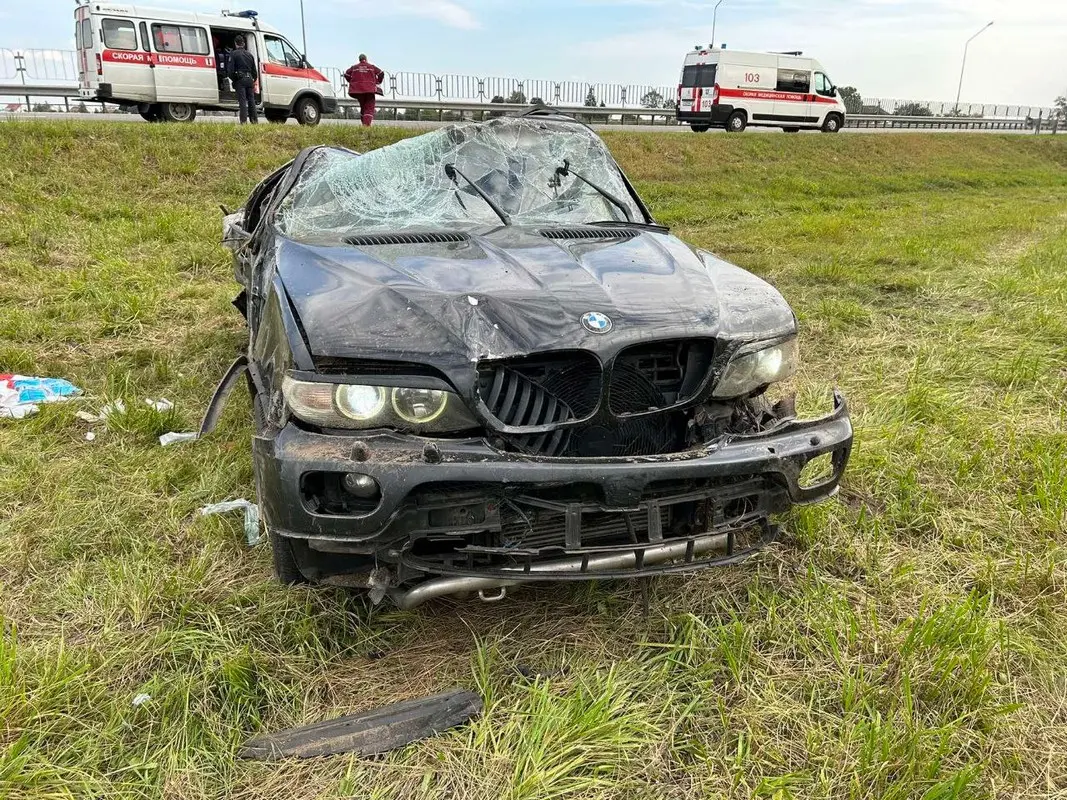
[364, 83]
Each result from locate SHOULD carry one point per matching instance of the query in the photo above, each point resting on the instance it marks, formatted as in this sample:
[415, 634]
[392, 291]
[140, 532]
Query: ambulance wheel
[149, 112]
[278, 117]
[700, 128]
[737, 122]
[178, 112]
[307, 112]
[832, 124]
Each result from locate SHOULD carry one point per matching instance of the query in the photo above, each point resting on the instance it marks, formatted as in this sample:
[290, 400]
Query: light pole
[964, 66]
[713, 14]
[303, 30]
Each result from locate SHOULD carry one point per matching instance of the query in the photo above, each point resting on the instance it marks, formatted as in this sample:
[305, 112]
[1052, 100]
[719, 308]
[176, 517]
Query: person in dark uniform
[244, 73]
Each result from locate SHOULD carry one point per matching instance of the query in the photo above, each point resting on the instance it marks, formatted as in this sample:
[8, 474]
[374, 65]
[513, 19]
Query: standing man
[364, 81]
[244, 73]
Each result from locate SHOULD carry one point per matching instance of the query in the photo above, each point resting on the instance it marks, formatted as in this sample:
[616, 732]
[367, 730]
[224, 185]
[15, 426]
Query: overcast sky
[908, 49]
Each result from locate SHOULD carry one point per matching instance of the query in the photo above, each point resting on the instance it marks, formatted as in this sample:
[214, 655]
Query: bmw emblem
[595, 322]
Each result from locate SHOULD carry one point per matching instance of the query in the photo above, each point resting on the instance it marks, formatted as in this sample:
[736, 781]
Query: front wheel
[700, 128]
[737, 122]
[178, 112]
[307, 112]
[832, 124]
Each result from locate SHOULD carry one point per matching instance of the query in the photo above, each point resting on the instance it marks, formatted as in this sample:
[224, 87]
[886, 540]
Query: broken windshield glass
[516, 163]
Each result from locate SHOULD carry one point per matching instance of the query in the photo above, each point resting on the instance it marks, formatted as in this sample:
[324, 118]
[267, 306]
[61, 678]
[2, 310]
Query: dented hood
[513, 291]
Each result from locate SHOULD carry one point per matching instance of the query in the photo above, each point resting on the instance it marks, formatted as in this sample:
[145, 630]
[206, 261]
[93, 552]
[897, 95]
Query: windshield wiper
[618, 223]
[451, 172]
[566, 170]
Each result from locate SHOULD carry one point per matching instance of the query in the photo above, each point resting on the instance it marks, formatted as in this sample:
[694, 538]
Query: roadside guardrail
[429, 110]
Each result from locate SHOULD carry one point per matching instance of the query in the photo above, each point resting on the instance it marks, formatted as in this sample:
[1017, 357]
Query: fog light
[360, 485]
[817, 471]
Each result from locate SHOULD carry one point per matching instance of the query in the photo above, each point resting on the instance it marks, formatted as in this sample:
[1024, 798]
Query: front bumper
[440, 498]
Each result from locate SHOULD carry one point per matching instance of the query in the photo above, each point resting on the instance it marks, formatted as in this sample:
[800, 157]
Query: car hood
[512, 291]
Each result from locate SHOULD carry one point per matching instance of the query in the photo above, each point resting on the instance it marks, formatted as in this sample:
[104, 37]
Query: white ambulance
[170, 63]
[733, 89]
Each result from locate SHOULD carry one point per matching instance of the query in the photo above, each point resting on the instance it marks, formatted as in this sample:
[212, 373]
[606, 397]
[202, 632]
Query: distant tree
[41, 108]
[850, 96]
[652, 99]
[872, 110]
[518, 97]
[590, 99]
[537, 101]
[913, 110]
[670, 103]
[497, 99]
[602, 104]
[1061, 106]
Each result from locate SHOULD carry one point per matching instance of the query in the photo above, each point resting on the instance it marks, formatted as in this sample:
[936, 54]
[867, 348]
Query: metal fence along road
[56, 67]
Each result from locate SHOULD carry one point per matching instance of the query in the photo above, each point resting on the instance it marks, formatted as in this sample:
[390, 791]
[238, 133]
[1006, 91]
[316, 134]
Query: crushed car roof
[535, 170]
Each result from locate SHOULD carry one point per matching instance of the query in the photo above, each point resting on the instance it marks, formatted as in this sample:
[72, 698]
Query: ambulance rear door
[123, 63]
[184, 63]
[84, 41]
[695, 92]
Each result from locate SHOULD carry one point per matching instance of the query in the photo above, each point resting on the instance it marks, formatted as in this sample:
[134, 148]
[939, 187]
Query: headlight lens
[355, 406]
[748, 372]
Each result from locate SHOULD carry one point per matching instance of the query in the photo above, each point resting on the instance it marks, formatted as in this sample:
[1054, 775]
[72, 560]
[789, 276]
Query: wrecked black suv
[477, 361]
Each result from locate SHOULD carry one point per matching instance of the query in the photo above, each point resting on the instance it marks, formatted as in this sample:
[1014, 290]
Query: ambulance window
[85, 34]
[119, 34]
[794, 80]
[180, 39]
[144, 38]
[699, 75]
[823, 85]
[280, 52]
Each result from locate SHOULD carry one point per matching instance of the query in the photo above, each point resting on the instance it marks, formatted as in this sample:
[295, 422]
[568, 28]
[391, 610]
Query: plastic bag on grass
[20, 395]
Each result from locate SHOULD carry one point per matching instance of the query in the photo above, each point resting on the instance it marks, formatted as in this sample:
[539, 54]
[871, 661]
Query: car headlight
[344, 405]
[747, 372]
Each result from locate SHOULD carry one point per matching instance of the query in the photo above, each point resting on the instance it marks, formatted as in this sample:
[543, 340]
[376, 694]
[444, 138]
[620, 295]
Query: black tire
[832, 123]
[700, 128]
[149, 112]
[177, 112]
[286, 560]
[737, 122]
[277, 117]
[308, 112]
[791, 130]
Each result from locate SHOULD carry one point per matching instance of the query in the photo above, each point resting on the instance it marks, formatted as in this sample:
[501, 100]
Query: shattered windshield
[536, 172]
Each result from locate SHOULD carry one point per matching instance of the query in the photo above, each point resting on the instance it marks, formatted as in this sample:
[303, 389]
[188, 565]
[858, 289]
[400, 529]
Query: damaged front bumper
[472, 517]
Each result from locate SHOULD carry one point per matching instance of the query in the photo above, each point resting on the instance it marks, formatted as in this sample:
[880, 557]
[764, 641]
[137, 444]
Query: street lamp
[303, 30]
[962, 67]
[713, 13]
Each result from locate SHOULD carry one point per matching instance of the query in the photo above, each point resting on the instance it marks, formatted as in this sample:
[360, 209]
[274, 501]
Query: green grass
[908, 640]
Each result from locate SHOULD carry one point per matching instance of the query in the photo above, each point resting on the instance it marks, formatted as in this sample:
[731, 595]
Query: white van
[733, 89]
[170, 63]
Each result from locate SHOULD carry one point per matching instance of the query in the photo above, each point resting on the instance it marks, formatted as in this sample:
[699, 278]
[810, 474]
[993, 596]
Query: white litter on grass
[85, 416]
[90, 436]
[251, 516]
[141, 699]
[20, 395]
[472, 300]
[162, 405]
[21, 411]
[170, 438]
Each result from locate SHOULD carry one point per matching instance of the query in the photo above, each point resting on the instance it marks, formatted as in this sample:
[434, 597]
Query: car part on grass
[371, 732]
[168, 439]
[251, 514]
[466, 395]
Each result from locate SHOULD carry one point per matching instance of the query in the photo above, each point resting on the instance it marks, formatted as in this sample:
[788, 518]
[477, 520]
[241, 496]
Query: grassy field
[907, 640]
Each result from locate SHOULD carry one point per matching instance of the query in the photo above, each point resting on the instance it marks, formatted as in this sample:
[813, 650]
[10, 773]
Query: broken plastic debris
[472, 300]
[141, 699]
[90, 436]
[20, 395]
[251, 516]
[372, 732]
[160, 405]
[171, 438]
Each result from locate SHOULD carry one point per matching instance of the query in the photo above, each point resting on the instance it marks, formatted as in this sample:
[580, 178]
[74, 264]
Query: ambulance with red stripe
[733, 89]
[168, 64]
